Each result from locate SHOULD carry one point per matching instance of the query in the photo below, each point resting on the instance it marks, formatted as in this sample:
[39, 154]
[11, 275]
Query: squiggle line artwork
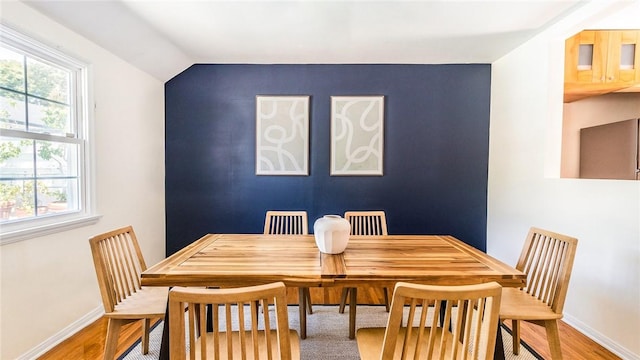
[282, 135]
[357, 135]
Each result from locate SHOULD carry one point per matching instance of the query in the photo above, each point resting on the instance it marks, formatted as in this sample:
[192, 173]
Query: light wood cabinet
[601, 61]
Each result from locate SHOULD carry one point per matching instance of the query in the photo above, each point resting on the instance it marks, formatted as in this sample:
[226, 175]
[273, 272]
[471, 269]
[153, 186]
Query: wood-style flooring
[88, 344]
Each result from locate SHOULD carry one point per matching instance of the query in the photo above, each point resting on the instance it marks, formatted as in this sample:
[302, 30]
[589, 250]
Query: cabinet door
[586, 57]
[623, 59]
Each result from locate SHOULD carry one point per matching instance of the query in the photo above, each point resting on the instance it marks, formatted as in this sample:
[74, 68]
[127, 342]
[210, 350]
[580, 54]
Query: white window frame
[86, 215]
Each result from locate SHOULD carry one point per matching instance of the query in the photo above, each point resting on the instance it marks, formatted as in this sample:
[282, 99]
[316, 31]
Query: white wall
[525, 134]
[49, 283]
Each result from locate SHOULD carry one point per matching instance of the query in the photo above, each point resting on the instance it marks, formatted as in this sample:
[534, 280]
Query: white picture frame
[282, 135]
[357, 135]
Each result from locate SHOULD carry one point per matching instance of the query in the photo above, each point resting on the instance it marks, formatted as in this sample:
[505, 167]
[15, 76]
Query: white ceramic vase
[331, 233]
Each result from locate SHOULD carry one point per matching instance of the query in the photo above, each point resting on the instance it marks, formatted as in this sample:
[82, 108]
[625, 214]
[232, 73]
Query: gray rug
[327, 335]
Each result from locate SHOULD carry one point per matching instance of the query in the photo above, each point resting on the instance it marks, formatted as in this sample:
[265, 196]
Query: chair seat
[518, 305]
[148, 302]
[370, 342]
[237, 350]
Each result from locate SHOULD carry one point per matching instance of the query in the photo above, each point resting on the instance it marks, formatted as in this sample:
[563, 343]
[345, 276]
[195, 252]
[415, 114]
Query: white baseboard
[63, 334]
[598, 337]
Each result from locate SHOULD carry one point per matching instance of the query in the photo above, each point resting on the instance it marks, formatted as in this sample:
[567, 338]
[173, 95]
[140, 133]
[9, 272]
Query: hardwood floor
[88, 344]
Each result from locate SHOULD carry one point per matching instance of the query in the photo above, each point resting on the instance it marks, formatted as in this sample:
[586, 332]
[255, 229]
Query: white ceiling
[165, 37]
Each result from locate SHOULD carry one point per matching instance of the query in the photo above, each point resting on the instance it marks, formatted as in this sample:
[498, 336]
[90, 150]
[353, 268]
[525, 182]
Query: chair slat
[255, 335]
[551, 266]
[216, 331]
[131, 275]
[116, 265]
[267, 325]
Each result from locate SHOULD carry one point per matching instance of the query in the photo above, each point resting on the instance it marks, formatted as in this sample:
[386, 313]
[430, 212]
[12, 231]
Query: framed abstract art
[282, 135]
[357, 134]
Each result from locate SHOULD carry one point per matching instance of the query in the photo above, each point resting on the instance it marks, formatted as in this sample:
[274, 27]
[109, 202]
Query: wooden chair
[368, 223]
[547, 259]
[118, 262]
[469, 312]
[238, 332]
[289, 223]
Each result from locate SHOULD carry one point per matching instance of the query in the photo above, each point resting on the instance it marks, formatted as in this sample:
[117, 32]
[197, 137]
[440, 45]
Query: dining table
[233, 260]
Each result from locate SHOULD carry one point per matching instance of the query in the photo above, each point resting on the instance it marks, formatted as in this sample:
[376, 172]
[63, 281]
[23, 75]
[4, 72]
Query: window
[43, 138]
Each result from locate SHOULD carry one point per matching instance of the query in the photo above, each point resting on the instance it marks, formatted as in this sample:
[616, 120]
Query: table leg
[302, 299]
[353, 293]
[498, 354]
[164, 344]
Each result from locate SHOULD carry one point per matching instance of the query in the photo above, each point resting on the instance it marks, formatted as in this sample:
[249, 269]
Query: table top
[250, 259]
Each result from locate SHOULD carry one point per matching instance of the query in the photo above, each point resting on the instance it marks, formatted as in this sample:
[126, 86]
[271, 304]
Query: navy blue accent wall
[436, 145]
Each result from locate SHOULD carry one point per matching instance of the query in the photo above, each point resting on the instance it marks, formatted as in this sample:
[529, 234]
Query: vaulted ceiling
[165, 37]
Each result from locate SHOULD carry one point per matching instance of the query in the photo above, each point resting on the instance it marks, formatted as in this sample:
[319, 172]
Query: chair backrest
[286, 223]
[547, 259]
[470, 314]
[367, 222]
[238, 329]
[119, 263]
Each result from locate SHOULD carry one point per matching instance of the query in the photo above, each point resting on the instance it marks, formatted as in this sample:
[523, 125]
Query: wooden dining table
[231, 260]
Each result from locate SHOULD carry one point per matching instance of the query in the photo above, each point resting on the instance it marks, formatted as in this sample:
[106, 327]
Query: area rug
[327, 335]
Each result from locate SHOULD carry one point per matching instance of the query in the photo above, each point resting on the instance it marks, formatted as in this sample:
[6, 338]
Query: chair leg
[515, 330]
[111, 343]
[553, 338]
[302, 300]
[386, 298]
[146, 326]
[307, 294]
[353, 304]
[343, 300]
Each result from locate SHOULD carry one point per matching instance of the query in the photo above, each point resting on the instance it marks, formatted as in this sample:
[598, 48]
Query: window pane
[56, 159]
[26, 201]
[48, 117]
[16, 158]
[48, 82]
[9, 194]
[57, 196]
[11, 70]
[18, 199]
[55, 191]
[12, 111]
[585, 57]
[627, 56]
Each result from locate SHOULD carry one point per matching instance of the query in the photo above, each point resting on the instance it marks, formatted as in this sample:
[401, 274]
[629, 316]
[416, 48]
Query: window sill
[36, 231]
